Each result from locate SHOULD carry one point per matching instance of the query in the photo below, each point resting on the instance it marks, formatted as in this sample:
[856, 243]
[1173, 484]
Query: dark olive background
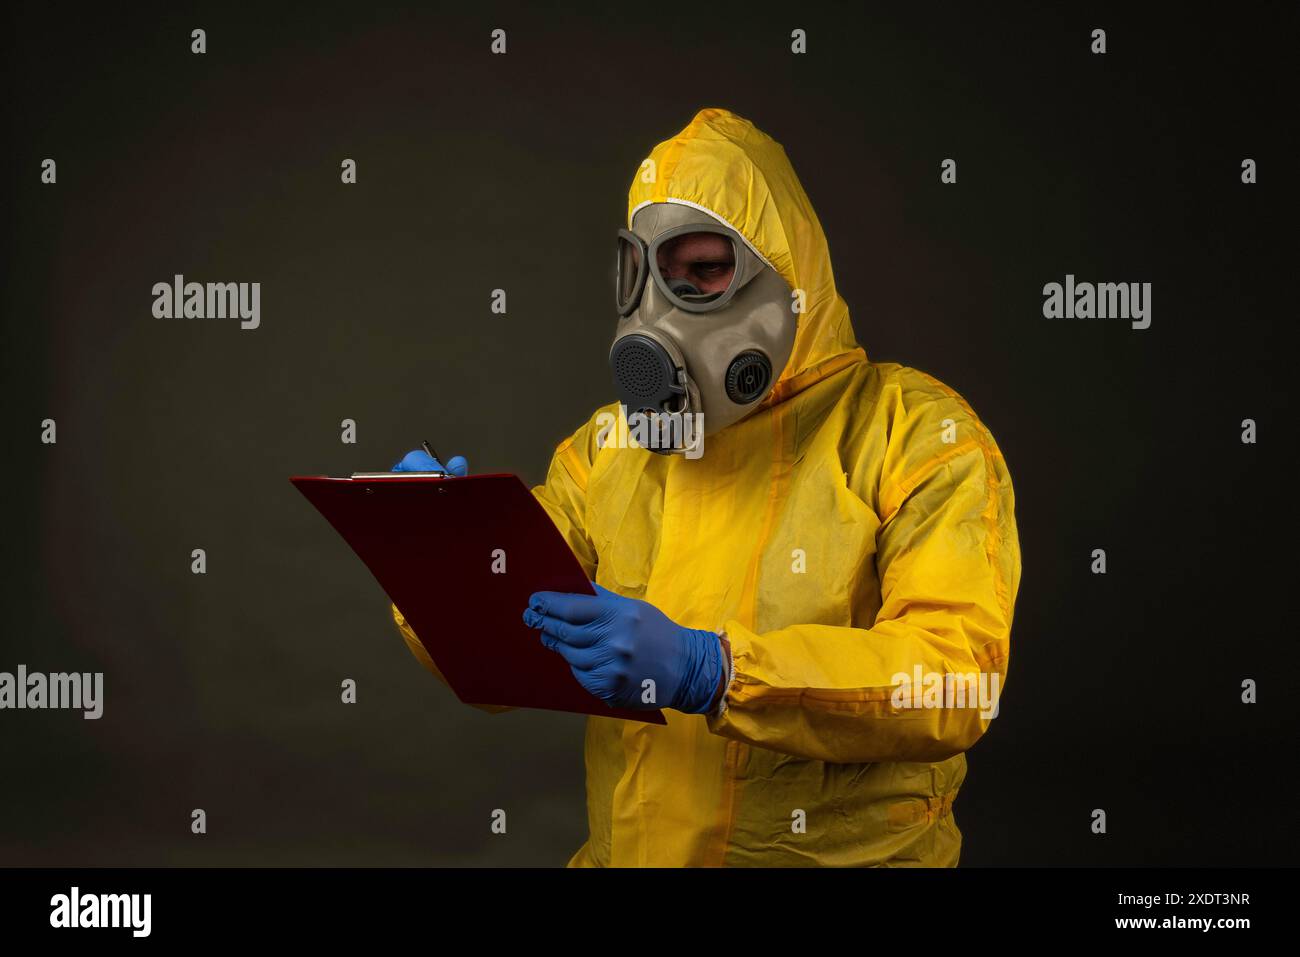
[480, 171]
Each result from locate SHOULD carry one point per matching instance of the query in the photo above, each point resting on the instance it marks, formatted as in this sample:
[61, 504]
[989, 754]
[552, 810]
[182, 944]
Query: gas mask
[706, 326]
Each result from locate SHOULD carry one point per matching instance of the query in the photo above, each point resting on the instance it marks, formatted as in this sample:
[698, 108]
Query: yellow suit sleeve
[949, 566]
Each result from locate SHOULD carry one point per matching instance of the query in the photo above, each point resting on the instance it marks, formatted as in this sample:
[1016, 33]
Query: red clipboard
[431, 544]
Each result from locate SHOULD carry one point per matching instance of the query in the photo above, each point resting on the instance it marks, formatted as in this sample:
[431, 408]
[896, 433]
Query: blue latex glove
[615, 644]
[422, 461]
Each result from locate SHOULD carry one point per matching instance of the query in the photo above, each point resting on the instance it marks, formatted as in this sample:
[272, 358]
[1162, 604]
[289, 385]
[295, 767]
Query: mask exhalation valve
[748, 377]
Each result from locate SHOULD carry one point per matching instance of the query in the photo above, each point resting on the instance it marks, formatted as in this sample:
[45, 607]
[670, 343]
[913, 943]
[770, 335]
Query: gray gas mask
[706, 325]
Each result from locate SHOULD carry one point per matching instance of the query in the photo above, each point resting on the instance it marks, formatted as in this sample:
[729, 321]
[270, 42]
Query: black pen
[434, 455]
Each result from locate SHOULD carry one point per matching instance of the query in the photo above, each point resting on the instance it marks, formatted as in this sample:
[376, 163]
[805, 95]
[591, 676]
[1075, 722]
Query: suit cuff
[728, 675]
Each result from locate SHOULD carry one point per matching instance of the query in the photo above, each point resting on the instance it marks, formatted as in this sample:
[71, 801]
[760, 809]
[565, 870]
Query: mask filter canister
[645, 375]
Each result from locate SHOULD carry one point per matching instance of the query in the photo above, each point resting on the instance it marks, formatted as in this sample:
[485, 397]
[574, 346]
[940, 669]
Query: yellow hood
[727, 167]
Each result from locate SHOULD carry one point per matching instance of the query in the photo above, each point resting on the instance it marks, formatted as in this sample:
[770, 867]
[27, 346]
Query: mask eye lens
[697, 268]
[630, 267]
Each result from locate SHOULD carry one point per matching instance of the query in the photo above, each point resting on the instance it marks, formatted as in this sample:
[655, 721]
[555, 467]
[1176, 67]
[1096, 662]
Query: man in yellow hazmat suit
[808, 567]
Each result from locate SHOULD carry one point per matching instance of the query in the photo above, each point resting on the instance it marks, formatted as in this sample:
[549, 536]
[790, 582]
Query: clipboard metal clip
[401, 475]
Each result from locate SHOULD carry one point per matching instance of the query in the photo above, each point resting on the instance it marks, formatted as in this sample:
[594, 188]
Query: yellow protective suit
[855, 528]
